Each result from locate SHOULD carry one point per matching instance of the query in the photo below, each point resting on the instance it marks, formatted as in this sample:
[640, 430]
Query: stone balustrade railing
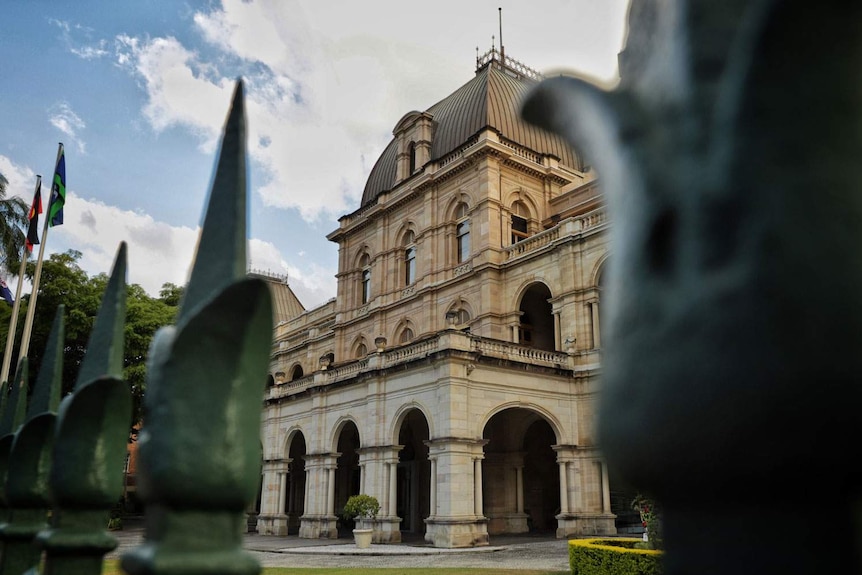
[445, 341]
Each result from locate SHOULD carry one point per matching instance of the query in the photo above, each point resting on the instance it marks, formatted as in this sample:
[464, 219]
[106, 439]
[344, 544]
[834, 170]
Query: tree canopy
[64, 282]
[13, 222]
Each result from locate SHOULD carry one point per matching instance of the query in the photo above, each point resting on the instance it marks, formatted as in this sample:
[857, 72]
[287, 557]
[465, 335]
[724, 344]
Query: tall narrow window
[365, 281]
[462, 234]
[366, 285]
[520, 229]
[409, 258]
[410, 265]
[411, 149]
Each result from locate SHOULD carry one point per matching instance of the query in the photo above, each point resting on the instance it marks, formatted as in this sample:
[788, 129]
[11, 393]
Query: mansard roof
[490, 100]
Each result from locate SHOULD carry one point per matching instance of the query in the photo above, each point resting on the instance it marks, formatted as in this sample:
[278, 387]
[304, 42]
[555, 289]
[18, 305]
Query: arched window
[406, 335]
[411, 150]
[361, 351]
[537, 321]
[409, 258]
[296, 373]
[365, 281]
[520, 222]
[462, 233]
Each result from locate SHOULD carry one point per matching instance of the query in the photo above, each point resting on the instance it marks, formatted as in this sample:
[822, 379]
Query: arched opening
[520, 222]
[414, 474]
[347, 472]
[296, 373]
[537, 321]
[294, 505]
[521, 479]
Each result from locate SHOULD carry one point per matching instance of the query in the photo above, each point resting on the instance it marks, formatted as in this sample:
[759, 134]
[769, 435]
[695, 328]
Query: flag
[35, 210]
[58, 190]
[6, 293]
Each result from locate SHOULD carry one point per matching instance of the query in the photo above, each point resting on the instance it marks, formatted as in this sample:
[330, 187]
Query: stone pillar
[455, 523]
[564, 488]
[606, 489]
[318, 520]
[558, 342]
[282, 491]
[330, 491]
[583, 509]
[477, 486]
[377, 463]
[433, 494]
[597, 332]
[393, 489]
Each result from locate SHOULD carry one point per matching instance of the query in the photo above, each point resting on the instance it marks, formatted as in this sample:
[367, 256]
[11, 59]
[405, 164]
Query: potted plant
[362, 509]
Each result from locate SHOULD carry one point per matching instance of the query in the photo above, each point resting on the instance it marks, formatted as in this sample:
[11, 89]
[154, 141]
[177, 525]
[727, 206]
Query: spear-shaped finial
[16, 407]
[105, 346]
[46, 393]
[221, 251]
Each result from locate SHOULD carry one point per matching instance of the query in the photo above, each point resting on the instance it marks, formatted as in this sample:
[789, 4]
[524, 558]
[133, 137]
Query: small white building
[454, 377]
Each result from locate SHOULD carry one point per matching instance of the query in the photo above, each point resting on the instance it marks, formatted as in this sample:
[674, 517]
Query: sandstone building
[454, 376]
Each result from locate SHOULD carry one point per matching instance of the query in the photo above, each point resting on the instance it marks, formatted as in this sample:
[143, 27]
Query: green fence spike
[90, 441]
[105, 346]
[46, 393]
[221, 252]
[198, 460]
[16, 409]
[29, 463]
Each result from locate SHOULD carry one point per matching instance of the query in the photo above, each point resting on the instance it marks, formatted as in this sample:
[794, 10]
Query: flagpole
[31, 307]
[13, 321]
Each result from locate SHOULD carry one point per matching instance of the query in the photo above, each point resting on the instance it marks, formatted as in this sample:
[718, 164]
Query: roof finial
[502, 49]
[493, 46]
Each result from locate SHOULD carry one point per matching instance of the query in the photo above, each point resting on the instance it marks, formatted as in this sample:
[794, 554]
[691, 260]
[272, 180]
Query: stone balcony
[450, 340]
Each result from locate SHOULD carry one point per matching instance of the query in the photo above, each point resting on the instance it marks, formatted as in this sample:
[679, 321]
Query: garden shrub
[612, 557]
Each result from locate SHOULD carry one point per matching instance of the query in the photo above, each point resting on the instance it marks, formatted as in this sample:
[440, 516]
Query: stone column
[558, 342]
[455, 522]
[433, 487]
[597, 332]
[564, 488]
[318, 519]
[282, 491]
[330, 491]
[606, 489]
[477, 486]
[393, 489]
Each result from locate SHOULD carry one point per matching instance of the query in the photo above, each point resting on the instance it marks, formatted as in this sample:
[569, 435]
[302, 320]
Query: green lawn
[113, 568]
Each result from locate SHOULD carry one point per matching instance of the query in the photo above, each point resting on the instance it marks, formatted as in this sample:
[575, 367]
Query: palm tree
[13, 222]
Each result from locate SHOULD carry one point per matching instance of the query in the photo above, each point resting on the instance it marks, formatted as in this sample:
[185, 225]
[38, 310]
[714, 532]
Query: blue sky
[138, 90]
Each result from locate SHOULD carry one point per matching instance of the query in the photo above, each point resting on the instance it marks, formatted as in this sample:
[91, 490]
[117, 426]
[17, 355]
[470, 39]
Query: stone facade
[454, 376]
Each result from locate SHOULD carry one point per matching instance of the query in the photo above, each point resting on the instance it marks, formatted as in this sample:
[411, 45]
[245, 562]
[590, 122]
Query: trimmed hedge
[612, 557]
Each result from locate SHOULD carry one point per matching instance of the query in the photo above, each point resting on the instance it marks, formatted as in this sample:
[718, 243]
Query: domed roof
[490, 100]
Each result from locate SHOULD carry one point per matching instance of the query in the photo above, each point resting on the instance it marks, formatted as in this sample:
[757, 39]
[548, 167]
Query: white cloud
[158, 253]
[67, 121]
[327, 83]
[22, 180]
[311, 283]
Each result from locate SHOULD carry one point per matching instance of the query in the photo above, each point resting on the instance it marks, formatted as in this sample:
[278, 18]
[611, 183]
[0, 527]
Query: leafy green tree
[13, 222]
[64, 282]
